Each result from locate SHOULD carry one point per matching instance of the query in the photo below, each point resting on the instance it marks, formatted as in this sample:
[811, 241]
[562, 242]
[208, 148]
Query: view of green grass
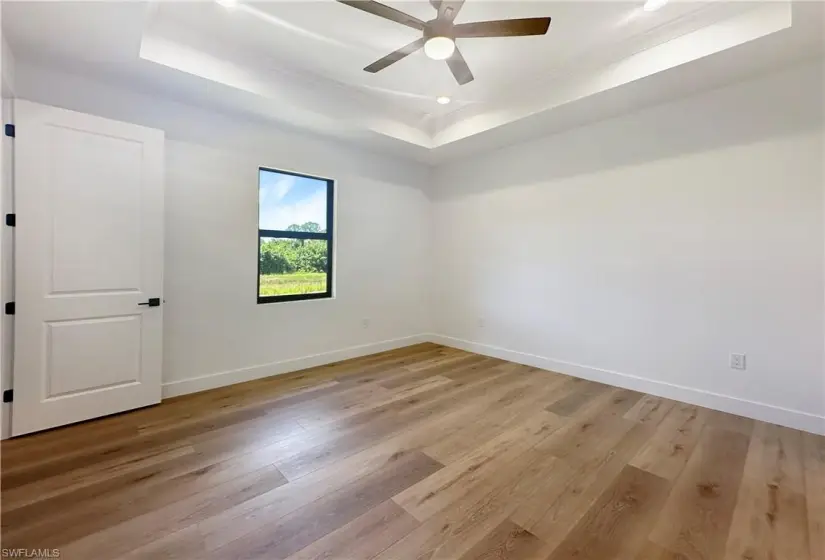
[295, 283]
[293, 266]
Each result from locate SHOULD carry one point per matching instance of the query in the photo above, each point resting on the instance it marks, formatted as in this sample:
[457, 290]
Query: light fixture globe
[439, 48]
[653, 5]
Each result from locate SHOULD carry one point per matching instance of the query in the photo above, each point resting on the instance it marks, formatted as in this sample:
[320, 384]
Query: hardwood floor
[423, 452]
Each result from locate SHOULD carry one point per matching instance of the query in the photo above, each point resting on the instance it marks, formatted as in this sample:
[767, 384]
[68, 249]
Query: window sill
[295, 297]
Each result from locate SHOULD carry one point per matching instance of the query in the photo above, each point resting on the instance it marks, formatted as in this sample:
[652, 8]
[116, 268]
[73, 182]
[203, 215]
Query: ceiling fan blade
[394, 56]
[448, 9]
[458, 66]
[380, 10]
[503, 28]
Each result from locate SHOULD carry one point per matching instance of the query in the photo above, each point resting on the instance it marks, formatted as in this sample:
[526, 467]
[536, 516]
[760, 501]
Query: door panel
[101, 251]
[89, 249]
[91, 353]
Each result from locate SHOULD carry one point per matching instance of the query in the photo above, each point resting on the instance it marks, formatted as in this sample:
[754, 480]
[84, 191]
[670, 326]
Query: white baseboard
[223, 378]
[751, 409]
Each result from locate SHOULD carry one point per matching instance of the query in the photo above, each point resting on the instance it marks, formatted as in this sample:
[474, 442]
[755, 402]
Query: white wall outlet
[481, 322]
[365, 323]
[737, 361]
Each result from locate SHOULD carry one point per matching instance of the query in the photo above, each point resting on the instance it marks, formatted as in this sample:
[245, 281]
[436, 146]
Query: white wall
[214, 331]
[212, 321]
[643, 250]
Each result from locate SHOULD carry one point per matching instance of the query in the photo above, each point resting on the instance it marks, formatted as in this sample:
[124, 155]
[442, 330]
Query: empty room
[412, 280]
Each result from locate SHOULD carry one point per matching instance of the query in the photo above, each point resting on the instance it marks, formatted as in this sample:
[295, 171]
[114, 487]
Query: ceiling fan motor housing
[438, 28]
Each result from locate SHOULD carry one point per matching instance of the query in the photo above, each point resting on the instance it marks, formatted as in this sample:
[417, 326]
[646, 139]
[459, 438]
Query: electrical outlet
[481, 322]
[737, 361]
[365, 323]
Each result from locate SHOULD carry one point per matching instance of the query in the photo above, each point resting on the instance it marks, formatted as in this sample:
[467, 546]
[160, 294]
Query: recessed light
[443, 100]
[653, 5]
[439, 48]
[228, 4]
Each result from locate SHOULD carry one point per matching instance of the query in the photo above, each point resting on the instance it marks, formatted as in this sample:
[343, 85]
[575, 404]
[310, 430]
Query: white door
[88, 251]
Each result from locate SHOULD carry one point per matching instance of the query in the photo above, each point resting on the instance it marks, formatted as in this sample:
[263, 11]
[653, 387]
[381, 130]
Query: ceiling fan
[439, 34]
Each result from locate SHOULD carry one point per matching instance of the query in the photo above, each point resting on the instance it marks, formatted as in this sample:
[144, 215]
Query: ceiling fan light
[439, 48]
[653, 5]
[443, 100]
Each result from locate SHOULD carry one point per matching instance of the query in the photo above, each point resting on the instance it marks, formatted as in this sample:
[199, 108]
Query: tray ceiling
[301, 62]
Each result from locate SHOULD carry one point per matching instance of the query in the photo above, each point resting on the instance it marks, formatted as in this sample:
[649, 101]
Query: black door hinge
[10, 132]
[8, 395]
[11, 220]
[10, 308]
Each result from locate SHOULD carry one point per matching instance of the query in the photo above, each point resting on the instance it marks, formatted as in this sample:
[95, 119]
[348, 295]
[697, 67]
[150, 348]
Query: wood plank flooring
[424, 452]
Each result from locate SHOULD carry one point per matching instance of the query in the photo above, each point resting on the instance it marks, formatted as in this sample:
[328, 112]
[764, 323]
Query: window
[294, 236]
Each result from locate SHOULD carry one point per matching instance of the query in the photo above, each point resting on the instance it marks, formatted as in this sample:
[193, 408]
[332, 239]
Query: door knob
[153, 302]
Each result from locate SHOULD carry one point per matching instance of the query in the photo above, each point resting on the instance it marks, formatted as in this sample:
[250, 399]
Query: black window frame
[327, 236]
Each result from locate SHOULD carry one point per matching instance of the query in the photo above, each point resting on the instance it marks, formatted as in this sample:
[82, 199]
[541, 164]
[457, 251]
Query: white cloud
[281, 216]
[273, 193]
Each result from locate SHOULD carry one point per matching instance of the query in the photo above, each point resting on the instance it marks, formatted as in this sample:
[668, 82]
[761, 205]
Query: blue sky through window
[286, 200]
